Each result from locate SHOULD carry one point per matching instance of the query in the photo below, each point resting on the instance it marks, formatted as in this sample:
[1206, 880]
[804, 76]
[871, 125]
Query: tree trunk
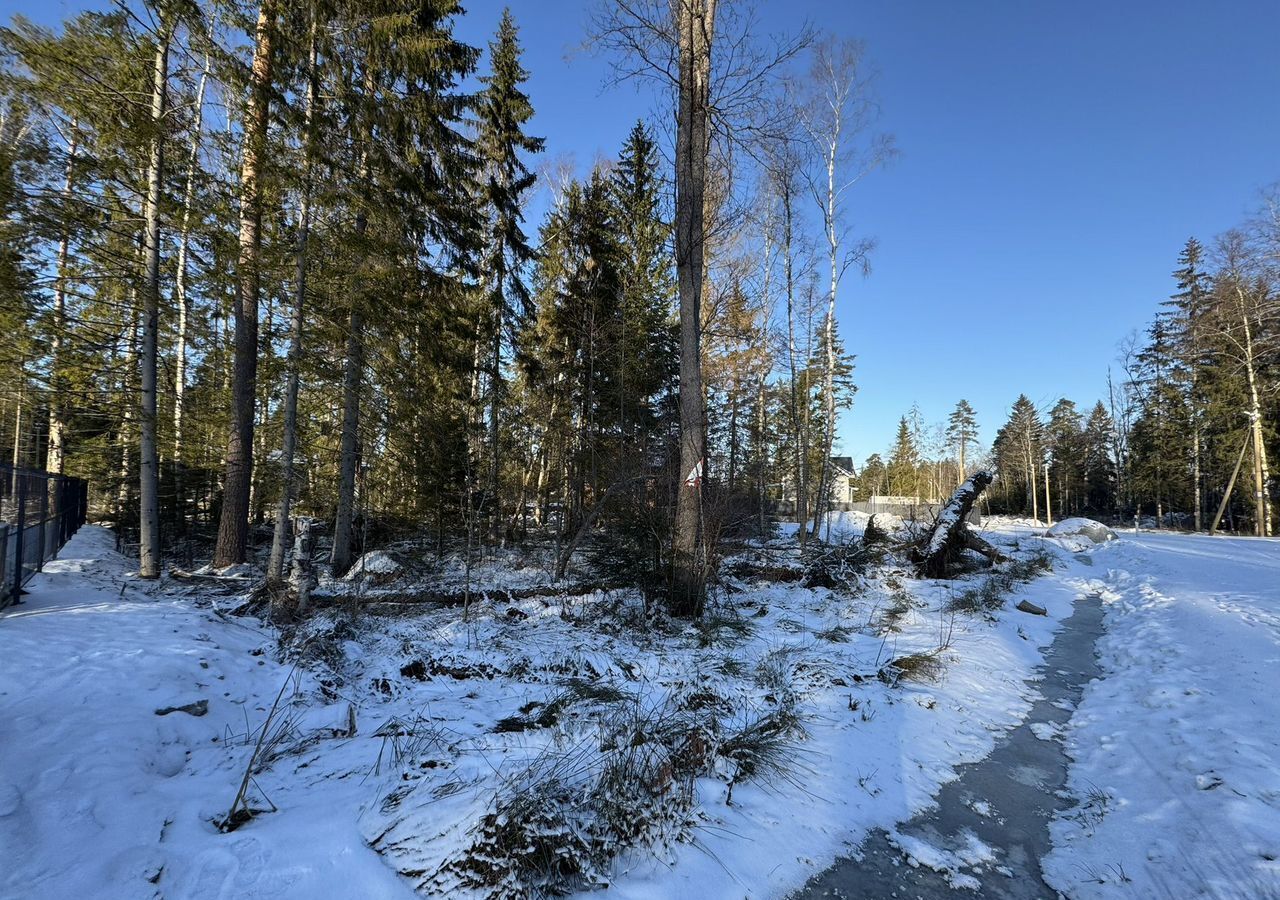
[55, 458]
[799, 450]
[350, 456]
[761, 461]
[233, 529]
[1261, 472]
[180, 277]
[353, 371]
[149, 470]
[17, 419]
[828, 378]
[289, 440]
[695, 20]
[1048, 504]
[1195, 478]
[125, 473]
[495, 436]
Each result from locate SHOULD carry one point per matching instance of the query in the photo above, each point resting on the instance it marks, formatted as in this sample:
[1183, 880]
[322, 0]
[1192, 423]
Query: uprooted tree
[948, 537]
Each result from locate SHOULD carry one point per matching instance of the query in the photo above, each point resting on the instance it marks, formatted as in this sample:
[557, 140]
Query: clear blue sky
[1055, 157]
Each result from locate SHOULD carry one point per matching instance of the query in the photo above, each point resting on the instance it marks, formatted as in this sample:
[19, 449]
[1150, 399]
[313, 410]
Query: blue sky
[1055, 157]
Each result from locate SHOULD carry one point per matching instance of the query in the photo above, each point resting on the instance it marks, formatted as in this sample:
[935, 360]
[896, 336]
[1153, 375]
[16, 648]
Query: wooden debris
[949, 535]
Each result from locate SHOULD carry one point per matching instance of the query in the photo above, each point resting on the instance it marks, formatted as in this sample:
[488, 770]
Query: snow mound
[375, 562]
[1094, 532]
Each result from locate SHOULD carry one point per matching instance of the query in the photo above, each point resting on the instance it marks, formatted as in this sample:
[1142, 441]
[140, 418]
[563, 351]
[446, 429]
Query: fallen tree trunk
[459, 597]
[948, 535]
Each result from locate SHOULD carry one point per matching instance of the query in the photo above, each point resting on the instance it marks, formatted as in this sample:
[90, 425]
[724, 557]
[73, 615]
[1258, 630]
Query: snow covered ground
[102, 797]
[1177, 749]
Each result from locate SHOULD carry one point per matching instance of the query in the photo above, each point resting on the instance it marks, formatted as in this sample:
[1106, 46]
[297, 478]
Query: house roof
[843, 462]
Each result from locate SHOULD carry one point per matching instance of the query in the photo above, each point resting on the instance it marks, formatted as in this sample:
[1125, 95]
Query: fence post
[43, 526]
[4, 555]
[17, 548]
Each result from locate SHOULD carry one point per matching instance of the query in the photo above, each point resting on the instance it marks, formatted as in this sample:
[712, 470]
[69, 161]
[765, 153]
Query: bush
[555, 826]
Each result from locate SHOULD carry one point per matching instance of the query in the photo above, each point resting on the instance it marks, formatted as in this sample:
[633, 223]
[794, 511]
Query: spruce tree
[904, 462]
[504, 111]
[1063, 441]
[1190, 306]
[1019, 453]
[962, 430]
[1098, 464]
[647, 356]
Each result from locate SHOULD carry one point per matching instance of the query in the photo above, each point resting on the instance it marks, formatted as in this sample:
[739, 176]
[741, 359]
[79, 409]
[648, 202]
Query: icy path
[98, 794]
[990, 827]
[1177, 748]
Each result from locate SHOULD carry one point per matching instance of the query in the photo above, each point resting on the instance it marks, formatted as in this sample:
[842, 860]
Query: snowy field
[102, 797]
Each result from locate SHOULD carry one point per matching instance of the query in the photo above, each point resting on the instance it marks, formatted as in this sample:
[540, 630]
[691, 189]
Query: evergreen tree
[1159, 441]
[647, 357]
[1064, 443]
[962, 429]
[1189, 335]
[1019, 454]
[904, 461]
[873, 477]
[504, 111]
[1098, 464]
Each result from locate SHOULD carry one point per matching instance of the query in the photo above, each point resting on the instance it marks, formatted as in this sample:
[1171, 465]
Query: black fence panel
[39, 512]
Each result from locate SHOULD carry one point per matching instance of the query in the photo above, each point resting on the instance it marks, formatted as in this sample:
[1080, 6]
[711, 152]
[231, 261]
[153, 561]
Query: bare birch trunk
[17, 421]
[762, 457]
[1261, 471]
[828, 378]
[148, 468]
[1195, 478]
[125, 472]
[495, 392]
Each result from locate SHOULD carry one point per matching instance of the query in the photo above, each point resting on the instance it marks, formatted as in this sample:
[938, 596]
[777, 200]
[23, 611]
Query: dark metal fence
[39, 512]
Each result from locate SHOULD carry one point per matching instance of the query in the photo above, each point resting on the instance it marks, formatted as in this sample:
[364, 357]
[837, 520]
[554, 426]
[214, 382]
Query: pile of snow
[1081, 533]
[971, 854]
[374, 563]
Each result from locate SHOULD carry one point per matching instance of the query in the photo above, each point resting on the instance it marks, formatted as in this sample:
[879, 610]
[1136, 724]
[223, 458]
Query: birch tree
[839, 117]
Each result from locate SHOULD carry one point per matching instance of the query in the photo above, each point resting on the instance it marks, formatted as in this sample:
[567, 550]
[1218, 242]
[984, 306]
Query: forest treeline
[278, 259]
[271, 260]
[1185, 433]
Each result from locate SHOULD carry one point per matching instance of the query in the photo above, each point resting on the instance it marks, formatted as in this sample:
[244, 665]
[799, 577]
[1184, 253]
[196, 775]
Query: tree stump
[300, 572]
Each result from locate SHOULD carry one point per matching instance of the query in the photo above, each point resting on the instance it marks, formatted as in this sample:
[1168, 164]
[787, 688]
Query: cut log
[1027, 606]
[948, 535]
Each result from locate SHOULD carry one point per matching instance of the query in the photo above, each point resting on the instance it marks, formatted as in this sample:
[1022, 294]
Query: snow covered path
[1177, 747]
[989, 828]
